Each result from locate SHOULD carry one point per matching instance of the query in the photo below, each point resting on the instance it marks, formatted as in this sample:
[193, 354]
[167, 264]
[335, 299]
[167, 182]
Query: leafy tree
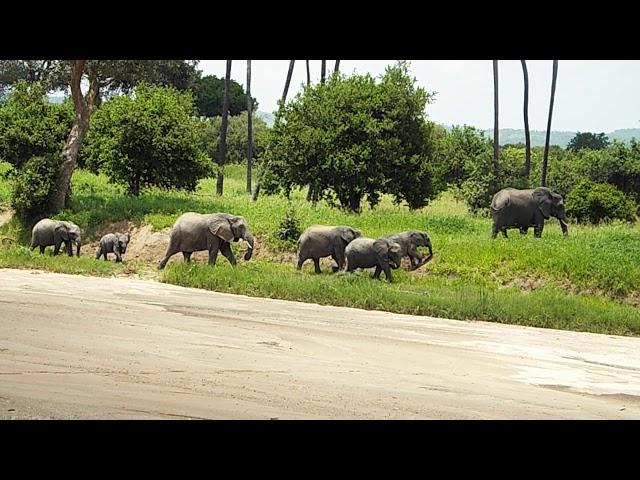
[351, 137]
[208, 92]
[147, 139]
[588, 140]
[596, 202]
[456, 150]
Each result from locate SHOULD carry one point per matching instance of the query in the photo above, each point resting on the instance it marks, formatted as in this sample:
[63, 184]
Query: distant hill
[561, 138]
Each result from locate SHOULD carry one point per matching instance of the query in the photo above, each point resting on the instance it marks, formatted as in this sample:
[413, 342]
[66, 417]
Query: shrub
[290, 226]
[34, 185]
[595, 202]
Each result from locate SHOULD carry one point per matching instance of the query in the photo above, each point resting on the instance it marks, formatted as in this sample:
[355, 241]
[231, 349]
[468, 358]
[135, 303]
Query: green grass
[5, 188]
[588, 281]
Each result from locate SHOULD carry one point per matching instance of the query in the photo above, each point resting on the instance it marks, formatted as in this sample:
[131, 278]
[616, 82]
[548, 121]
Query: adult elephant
[320, 241]
[194, 232]
[409, 242]
[381, 253]
[514, 208]
[49, 232]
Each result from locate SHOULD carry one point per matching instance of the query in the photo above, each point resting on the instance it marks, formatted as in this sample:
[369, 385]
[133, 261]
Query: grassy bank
[588, 281]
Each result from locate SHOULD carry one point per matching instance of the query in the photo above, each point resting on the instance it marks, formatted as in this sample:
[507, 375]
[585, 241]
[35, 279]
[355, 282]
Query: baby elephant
[113, 242]
[367, 252]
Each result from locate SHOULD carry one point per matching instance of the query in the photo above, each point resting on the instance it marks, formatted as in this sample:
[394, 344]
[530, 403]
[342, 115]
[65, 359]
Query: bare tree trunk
[308, 74]
[337, 67]
[249, 128]
[288, 82]
[83, 107]
[527, 134]
[543, 181]
[496, 134]
[222, 146]
[323, 71]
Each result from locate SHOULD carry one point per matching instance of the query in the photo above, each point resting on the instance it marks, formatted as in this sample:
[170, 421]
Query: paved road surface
[75, 347]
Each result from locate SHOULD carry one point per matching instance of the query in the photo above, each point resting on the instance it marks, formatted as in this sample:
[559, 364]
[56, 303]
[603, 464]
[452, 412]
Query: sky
[591, 95]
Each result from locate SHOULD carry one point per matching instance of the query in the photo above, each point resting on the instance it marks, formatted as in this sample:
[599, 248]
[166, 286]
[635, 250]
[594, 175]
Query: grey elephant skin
[113, 243]
[409, 242]
[214, 232]
[514, 208]
[381, 253]
[320, 241]
[49, 232]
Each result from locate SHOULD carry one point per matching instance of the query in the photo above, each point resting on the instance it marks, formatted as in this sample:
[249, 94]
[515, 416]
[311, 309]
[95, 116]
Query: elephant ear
[62, 230]
[543, 198]
[220, 227]
[348, 235]
[381, 247]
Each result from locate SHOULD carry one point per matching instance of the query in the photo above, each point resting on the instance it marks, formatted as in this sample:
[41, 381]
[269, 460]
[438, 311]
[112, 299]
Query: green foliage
[208, 92]
[588, 140]
[148, 139]
[33, 186]
[31, 126]
[595, 202]
[290, 227]
[237, 141]
[352, 137]
[456, 152]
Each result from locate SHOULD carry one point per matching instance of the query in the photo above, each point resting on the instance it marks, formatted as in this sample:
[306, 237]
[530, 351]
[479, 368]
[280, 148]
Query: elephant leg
[377, 272]
[387, 273]
[504, 232]
[98, 253]
[187, 256]
[170, 253]
[213, 247]
[537, 231]
[316, 264]
[336, 267]
[56, 247]
[494, 231]
[106, 256]
[300, 262]
[225, 249]
[118, 255]
[67, 247]
[523, 231]
[42, 247]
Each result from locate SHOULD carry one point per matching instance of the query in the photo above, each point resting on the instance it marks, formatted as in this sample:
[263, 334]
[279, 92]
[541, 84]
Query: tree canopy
[592, 141]
[208, 92]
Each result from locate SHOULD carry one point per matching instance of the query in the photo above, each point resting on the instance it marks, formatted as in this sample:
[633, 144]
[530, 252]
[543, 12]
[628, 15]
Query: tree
[543, 180]
[496, 131]
[588, 140]
[323, 71]
[353, 137]
[222, 146]
[249, 128]
[527, 134]
[208, 92]
[288, 82]
[308, 73]
[337, 66]
[148, 138]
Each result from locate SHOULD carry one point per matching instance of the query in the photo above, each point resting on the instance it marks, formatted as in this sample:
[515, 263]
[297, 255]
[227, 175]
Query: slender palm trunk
[323, 71]
[222, 145]
[249, 128]
[83, 106]
[308, 74]
[527, 135]
[496, 134]
[288, 82]
[337, 67]
[545, 164]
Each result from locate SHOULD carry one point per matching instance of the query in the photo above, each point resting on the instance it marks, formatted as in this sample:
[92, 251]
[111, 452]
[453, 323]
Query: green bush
[594, 202]
[34, 185]
[289, 227]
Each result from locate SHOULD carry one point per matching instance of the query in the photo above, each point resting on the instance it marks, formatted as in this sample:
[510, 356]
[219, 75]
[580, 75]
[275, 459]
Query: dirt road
[74, 347]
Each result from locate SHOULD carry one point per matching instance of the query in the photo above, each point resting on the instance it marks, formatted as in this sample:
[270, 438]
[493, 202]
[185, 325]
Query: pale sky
[591, 95]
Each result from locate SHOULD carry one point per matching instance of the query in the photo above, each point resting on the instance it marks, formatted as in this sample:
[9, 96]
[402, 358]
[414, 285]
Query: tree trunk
[543, 181]
[527, 134]
[222, 146]
[323, 71]
[288, 82]
[308, 74]
[83, 107]
[336, 68]
[496, 131]
[249, 128]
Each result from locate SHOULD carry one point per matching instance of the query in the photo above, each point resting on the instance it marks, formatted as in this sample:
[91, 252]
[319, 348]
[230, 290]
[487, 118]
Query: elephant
[49, 232]
[381, 253]
[513, 208]
[323, 241]
[194, 232]
[409, 242]
[113, 242]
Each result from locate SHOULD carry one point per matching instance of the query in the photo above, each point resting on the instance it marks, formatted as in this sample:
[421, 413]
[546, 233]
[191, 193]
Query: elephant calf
[321, 241]
[409, 242]
[49, 232]
[368, 252]
[113, 242]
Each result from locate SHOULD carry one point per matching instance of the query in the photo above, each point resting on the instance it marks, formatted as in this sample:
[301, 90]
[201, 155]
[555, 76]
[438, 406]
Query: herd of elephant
[193, 232]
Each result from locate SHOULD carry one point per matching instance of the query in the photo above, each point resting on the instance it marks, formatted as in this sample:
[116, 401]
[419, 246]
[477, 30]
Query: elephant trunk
[564, 226]
[250, 242]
